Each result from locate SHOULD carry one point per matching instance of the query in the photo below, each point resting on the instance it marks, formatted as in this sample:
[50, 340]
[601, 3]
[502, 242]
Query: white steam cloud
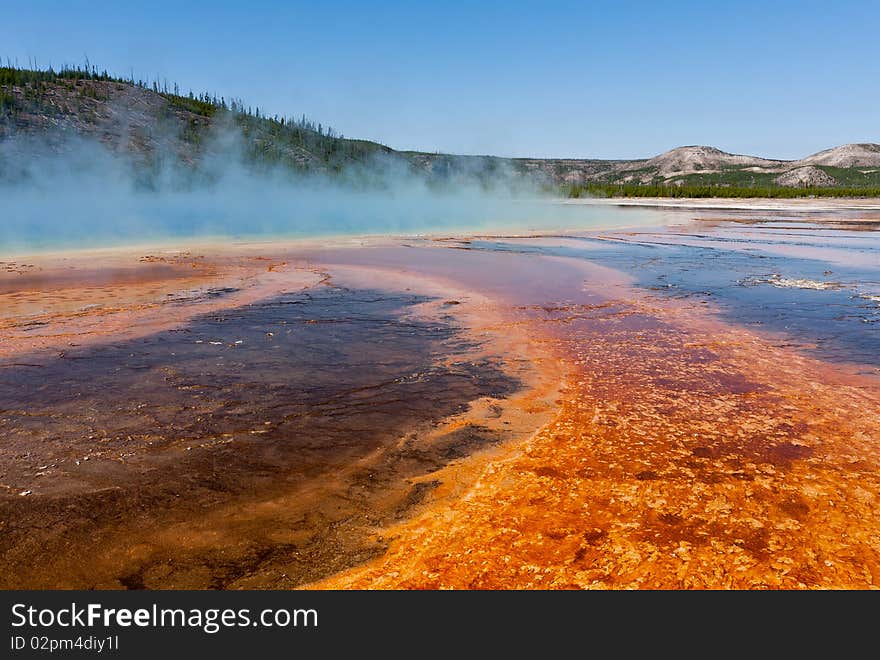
[74, 192]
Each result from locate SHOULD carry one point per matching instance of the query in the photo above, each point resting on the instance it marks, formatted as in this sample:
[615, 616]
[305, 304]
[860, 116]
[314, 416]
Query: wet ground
[815, 284]
[302, 397]
[720, 427]
[688, 406]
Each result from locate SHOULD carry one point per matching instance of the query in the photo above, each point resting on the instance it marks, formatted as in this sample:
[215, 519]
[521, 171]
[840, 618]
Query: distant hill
[150, 123]
[697, 159]
[848, 155]
[808, 176]
[848, 165]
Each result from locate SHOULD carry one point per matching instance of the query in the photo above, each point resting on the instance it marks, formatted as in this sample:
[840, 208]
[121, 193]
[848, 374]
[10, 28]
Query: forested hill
[150, 121]
[146, 119]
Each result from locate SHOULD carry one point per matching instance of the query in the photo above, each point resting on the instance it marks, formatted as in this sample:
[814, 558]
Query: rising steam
[73, 192]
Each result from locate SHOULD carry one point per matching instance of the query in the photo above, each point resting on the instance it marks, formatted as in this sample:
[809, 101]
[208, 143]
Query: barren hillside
[847, 155]
[805, 176]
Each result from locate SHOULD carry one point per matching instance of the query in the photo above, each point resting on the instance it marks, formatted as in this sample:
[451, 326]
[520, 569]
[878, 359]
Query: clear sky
[605, 79]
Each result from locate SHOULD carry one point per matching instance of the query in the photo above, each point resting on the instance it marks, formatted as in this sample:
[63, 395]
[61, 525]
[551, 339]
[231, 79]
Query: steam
[63, 192]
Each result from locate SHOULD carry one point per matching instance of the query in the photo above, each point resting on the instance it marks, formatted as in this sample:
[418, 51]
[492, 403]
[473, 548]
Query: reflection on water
[816, 284]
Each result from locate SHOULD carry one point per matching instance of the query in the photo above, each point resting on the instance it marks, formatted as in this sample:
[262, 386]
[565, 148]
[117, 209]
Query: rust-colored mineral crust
[680, 451]
[685, 454]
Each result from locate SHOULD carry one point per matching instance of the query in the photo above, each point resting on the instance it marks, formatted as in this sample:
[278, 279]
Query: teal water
[35, 221]
[82, 195]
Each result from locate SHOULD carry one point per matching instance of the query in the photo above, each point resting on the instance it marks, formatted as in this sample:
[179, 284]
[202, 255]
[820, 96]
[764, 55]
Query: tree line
[608, 190]
[206, 103]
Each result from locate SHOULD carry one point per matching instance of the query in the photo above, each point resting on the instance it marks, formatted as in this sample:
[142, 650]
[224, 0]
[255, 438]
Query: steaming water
[37, 223]
[82, 195]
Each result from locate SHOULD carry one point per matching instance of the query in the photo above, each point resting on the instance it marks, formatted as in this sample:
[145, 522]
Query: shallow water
[271, 444]
[817, 286]
[307, 393]
[34, 224]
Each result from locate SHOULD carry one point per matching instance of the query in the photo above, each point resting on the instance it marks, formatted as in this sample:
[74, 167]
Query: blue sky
[566, 79]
